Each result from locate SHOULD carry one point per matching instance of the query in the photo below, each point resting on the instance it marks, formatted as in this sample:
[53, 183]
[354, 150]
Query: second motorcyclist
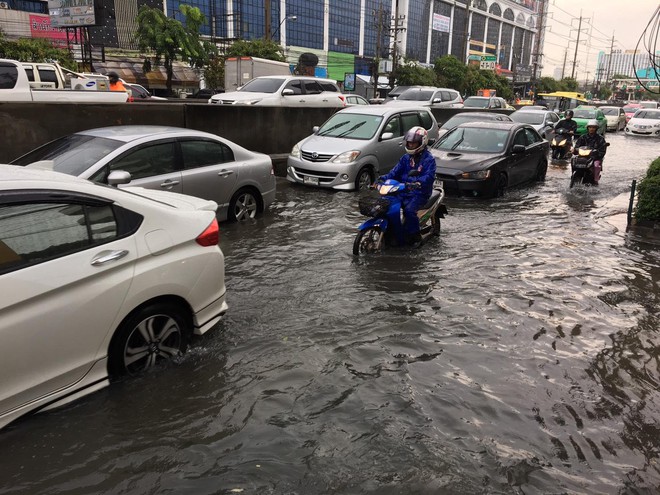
[596, 142]
[417, 168]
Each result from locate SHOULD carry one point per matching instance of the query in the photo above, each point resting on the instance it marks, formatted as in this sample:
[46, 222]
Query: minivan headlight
[346, 157]
[295, 152]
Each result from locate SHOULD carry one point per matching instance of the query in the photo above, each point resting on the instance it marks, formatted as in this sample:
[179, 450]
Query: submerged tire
[244, 204]
[500, 186]
[541, 170]
[364, 179]
[152, 334]
[368, 241]
[435, 223]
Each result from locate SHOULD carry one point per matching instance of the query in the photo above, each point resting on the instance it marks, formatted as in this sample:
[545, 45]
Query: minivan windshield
[351, 126]
[528, 117]
[610, 111]
[263, 85]
[475, 102]
[71, 154]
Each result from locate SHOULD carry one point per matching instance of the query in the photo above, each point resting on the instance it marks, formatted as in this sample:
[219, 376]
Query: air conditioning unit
[4, 5]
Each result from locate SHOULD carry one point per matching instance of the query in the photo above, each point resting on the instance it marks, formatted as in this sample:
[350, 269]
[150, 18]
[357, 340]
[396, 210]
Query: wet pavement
[517, 353]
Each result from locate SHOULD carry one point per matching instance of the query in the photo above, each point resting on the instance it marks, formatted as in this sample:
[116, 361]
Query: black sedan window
[533, 136]
[474, 139]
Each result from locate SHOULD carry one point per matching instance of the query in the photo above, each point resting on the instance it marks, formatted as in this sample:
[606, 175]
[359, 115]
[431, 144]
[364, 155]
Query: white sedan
[644, 123]
[97, 282]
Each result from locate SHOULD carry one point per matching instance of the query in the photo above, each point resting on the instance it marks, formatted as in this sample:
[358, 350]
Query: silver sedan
[173, 159]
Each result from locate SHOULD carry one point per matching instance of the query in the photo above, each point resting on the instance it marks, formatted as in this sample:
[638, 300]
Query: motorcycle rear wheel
[368, 241]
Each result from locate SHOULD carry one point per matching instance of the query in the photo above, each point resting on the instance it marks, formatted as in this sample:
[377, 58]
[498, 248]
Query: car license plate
[312, 181]
[437, 184]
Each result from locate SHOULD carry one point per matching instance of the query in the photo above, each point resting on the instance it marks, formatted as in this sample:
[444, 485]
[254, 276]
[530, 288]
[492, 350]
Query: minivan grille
[315, 157]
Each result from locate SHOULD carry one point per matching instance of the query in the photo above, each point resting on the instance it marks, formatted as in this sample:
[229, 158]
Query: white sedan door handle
[108, 256]
[225, 173]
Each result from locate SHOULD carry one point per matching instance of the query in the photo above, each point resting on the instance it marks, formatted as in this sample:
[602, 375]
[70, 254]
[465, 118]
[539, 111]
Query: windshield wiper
[327, 131]
[348, 131]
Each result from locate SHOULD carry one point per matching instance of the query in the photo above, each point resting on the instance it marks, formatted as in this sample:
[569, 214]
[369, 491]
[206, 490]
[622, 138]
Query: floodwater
[517, 353]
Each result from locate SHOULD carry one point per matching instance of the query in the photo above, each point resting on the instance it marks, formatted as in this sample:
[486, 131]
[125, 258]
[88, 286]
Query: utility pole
[563, 67]
[539, 41]
[267, 34]
[609, 61]
[466, 49]
[379, 37]
[395, 30]
[577, 43]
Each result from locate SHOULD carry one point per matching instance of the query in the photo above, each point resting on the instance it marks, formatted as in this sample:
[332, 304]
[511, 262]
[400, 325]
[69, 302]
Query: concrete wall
[270, 130]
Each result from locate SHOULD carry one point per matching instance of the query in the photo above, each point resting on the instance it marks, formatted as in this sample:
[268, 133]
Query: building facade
[620, 62]
[346, 35]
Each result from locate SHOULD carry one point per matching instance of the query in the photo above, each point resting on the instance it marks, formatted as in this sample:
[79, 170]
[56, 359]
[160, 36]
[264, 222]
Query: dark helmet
[419, 137]
[569, 114]
[112, 75]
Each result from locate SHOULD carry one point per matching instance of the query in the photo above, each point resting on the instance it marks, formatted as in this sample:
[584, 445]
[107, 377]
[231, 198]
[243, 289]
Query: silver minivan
[356, 145]
[429, 96]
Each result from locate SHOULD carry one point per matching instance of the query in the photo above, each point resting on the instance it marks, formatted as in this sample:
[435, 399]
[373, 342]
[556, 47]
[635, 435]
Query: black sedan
[484, 158]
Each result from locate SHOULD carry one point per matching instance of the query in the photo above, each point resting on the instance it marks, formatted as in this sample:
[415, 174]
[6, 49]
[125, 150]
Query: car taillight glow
[343, 100]
[210, 236]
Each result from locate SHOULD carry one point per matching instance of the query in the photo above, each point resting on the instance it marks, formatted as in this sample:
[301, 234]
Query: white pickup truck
[16, 86]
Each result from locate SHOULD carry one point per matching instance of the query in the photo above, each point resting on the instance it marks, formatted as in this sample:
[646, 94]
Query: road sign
[487, 62]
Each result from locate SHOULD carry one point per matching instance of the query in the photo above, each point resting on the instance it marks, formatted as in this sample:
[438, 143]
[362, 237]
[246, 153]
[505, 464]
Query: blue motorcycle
[373, 235]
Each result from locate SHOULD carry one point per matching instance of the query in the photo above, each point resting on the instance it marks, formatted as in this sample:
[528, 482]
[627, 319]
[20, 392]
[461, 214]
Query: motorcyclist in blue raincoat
[417, 166]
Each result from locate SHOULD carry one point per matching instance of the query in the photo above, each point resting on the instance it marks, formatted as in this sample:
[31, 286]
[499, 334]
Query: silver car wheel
[364, 180]
[243, 206]
[154, 338]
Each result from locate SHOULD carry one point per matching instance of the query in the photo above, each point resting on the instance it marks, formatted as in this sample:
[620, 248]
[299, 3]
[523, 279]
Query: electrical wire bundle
[649, 40]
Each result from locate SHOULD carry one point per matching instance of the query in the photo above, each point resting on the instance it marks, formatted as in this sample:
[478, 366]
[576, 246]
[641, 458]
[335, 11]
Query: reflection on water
[517, 353]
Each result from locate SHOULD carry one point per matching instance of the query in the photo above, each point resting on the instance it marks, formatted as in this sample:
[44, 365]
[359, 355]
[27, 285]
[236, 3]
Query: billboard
[41, 27]
[72, 13]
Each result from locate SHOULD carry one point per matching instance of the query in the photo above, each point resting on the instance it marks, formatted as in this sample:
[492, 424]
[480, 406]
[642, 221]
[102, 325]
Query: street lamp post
[287, 18]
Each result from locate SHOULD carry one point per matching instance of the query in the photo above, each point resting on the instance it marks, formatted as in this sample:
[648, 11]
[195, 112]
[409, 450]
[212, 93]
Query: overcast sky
[601, 19]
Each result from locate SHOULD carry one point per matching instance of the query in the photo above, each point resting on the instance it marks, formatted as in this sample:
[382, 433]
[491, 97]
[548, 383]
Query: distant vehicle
[645, 122]
[653, 105]
[356, 145]
[616, 118]
[166, 158]
[461, 118]
[240, 70]
[532, 107]
[140, 93]
[583, 114]
[396, 92]
[15, 85]
[486, 102]
[355, 100]
[630, 110]
[485, 158]
[97, 283]
[541, 120]
[560, 101]
[205, 93]
[284, 91]
[428, 96]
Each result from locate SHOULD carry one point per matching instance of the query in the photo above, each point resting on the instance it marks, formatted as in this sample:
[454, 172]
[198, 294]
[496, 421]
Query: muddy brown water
[518, 353]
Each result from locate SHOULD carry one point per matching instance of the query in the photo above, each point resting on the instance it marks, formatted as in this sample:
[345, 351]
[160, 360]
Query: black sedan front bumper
[455, 185]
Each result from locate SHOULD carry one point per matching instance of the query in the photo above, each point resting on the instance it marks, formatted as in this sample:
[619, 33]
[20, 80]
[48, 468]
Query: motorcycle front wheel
[368, 241]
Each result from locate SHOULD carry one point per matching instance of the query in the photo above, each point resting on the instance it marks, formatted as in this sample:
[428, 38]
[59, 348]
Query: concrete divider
[270, 130]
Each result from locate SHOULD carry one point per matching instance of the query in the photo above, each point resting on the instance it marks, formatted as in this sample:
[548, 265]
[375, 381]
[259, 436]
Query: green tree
[256, 48]
[451, 73]
[546, 85]
[567, 84]
[214, 73]
[35, 50]
[410, 73]
[170, 40]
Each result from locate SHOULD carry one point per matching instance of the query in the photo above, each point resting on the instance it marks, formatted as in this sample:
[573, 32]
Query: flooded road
[517, 353]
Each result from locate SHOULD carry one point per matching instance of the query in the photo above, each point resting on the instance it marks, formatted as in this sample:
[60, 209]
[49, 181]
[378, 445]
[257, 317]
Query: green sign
[488, 58]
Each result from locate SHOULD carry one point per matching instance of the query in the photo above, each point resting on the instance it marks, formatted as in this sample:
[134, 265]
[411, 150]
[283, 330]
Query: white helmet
[419, 137]
[592, 123]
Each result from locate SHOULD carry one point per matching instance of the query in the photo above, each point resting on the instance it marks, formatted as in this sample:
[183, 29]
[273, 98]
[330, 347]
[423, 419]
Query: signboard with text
[349, 81]
[72, 13]
[441, 23]
[487, 62]
[41, 27]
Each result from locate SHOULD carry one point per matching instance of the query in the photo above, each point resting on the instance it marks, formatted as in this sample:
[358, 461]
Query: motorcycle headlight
[295, 152]
[562, 143]
[479, 174]
[346, 157]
